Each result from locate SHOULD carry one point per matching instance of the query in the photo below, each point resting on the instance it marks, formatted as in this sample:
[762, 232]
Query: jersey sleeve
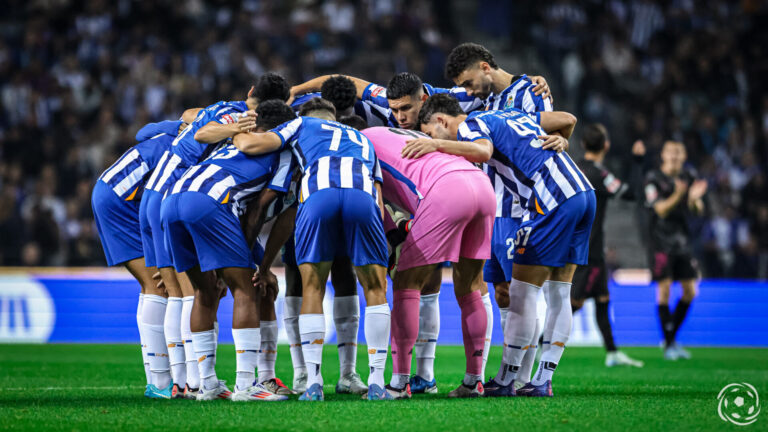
[376, 94]
[287, 131]
[373, 114]
[473, 129]
[170, 127]
[281, 180]
[610, 184]
[377, 170]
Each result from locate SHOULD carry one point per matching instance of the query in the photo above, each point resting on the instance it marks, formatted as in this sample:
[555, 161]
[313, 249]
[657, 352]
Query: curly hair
[272, 113]
[465, 56]
[354, 121]
[340, 91]
[271, 86]
[404, 84]
[317, 104]
[439, 103]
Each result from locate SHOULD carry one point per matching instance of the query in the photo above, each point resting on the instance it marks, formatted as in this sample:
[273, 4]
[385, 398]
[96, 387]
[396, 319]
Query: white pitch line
[68, 388]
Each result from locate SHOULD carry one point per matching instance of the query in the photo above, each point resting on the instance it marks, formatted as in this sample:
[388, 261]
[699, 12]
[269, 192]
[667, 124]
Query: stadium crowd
[77, 80]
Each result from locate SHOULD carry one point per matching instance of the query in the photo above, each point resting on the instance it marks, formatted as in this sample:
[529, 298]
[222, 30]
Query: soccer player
[443, 229]
[472, 67]
[212, 125]
[115, 202]
[591, 281]
[340, 213]
[558, 206]
[672, 193]
[340, 91]
[203, 230]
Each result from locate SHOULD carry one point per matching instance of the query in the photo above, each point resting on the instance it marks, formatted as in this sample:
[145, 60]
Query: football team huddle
[362, 182]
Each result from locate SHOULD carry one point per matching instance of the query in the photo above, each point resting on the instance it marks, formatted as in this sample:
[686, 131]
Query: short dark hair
[404, 84]
[271, 86]
[340, 91]
[317, 104]
[465, 56]
[439, 103]
[354, 121]
[593, 137]
[272, 113]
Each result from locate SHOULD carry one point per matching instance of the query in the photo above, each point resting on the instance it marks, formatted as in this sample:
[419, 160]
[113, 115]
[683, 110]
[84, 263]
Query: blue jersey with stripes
[185, 150]
[331, 155]
[128, 174]
[373, 114]
[542, 179]
[378, 95]
[232, 177]
[519, 95]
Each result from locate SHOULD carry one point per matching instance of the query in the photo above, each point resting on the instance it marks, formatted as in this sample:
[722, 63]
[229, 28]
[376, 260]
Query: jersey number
[524, 126]
[354, 136]
[522, 236]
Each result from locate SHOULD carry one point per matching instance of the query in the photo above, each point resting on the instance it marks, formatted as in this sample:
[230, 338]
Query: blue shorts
[499, 267]
[201, 231]
[117, 221]
[340, 222]
[560, 237]
[147, 245]
[162, 256]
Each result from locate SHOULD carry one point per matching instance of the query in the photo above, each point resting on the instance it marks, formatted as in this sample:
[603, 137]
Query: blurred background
[79, 78]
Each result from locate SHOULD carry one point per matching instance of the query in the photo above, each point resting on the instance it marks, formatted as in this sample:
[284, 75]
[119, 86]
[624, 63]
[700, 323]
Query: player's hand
[266, 284]
[418, 147]
[554, 142]
[159, 281]
[638, 148]
[697, 190]
[681, 186]
[247, 122]
[292, 96]
[541, 88]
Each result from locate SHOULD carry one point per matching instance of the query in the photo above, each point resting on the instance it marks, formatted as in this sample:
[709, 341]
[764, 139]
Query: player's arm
[476, 151]
[188, 116]
[215, 131]
[380, 199]
[557, 121]
[695, 196]
[253, 143]
[315, 84]
[662, 207]
[281, 232]
[254, 216]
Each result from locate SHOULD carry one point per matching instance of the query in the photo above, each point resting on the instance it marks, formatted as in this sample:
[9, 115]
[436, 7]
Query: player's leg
[346, 318]
[468, 286]
[314, 276]
[681, 311]
[187, 300]
[406, 321]
[665, 317]
[293, 293]
[429, 330]
[137, 268]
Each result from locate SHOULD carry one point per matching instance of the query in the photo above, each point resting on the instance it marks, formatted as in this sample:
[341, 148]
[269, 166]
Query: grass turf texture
[87, 387]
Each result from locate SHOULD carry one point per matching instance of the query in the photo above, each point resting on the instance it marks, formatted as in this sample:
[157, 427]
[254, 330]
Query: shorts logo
[738, 403]
[520, 251]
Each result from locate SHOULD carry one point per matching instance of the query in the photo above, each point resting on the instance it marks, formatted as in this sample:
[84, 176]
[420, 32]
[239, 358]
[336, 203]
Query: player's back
[189, 150]
[330, 154]
[408, 180]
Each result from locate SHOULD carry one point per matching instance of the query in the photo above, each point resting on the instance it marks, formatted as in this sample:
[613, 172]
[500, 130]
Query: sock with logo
[193, 374]
[153, 315]
[268, 354]
[312, 328]
[205, 351]
[346, 318]
[172, 327]
[247, 346]
[378, 321]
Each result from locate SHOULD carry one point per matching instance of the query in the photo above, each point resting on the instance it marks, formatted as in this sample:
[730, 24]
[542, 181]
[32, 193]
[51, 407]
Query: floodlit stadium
[432, 215]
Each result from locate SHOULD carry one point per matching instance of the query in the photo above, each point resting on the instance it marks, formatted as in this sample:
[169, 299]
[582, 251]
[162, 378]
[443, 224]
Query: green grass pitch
[100, 387]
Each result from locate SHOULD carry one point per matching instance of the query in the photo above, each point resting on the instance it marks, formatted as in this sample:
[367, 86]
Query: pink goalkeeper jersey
[406, 181]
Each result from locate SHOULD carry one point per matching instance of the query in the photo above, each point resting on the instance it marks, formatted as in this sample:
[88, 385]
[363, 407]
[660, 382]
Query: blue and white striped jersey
[331, 155]
[378, 95]
[127, 175]
[186, 151]
[232, 177]
[373, 114]
[542, 179]
[519, 95]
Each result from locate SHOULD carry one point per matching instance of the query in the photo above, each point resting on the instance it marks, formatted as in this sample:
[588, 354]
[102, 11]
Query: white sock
[247, 346]
[193, 374]
[291, 320]
[519, 328]
[488, 330]
[172, 326]
[503, 312]
[524, 374]
[152, 316]
[312, 327]
[142, 340]
[268, 354]
[346, 317]
[426, 342]
[205, 351]
[378, 321]
[557, 328]
[471, 380]
[399, 381]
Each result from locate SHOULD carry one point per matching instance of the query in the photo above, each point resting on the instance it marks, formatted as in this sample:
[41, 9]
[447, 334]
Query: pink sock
[473, 326]
[405, 329]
